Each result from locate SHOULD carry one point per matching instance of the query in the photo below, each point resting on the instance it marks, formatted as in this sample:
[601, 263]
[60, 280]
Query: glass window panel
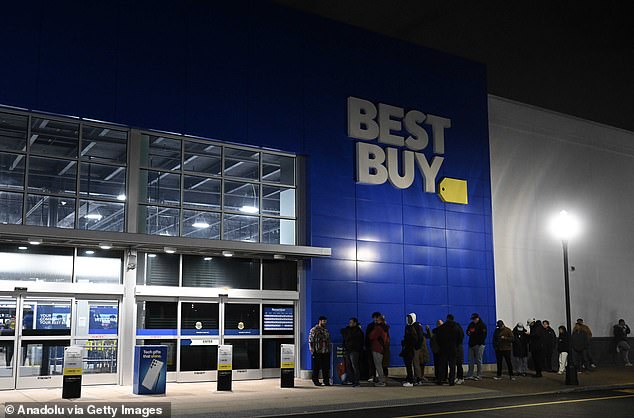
[100, 356]
[13, 131]
[203, 158]
[46, 317]
[162, 269]
[240, 228]
[12, 171]
[278, 319]
[36, 263]
[201, 192]
[246, 353]
[43, 358]
[105, 181]
[7, 323]
[242, 163]
[199, 318]
[156, 318]
[162, 188]
[242, 319]
[271, 351]
[6, 361]
[51, 211]
[198, 355]
[97, 317]
[242, 197]
[198, 224]
[104, 144]
[47, 175]
[100, 266]
[101, 216]
[155, 220]
[278, 231]
[278, 169]
[160, 152]
[278, 201]
[279, 275]
[11, 207]
[171, 350]
[54, 138]
[235, 273]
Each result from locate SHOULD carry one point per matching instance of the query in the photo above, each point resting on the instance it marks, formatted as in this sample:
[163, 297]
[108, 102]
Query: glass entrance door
[7, 342]
[242, 325]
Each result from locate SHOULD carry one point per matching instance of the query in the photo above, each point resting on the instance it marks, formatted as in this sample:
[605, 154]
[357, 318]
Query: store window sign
[404, 135]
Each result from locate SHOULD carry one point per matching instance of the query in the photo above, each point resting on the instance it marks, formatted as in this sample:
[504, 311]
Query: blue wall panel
[258, 73]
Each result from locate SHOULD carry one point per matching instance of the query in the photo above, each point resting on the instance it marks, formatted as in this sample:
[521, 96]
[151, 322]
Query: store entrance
[36, 328]
[192, 329]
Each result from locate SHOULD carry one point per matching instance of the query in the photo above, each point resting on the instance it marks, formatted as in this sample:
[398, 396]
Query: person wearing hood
[520, 349]
[409, 345]
[563, 340]
[550, 352]
[503, 344]
[353, 346]
[538, 345]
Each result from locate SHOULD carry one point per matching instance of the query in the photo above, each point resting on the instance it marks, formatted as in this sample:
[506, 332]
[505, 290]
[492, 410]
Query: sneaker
[327, 384]
[512, 378]
[348, 383]
[419, 383]
[470, 378]
[497, 378]
[371, 380]
[380, 384]
[594, 366]
[560, 372]
[317, 383]
[628, 364]
[477, 378]
[459, 381]
[407, 384]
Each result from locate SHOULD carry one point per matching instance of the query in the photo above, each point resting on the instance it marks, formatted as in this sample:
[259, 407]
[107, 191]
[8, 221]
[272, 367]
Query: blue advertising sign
[150, 369]
[52, 317]
[104, 319]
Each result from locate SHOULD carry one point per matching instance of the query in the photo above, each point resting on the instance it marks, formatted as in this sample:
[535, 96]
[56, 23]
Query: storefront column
[128, 320]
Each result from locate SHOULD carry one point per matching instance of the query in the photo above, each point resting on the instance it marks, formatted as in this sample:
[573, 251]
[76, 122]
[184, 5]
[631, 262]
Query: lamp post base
[571, 375]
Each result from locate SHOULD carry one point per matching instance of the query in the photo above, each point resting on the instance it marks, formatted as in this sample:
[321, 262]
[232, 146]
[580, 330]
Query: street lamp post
[565, 228]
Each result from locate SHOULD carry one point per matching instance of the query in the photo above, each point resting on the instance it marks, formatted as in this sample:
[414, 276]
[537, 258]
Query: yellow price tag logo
[453, 191]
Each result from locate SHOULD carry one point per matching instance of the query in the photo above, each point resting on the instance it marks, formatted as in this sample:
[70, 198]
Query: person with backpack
[409, 345]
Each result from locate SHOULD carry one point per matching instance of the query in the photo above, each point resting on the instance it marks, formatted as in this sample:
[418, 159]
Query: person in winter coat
[587, 354]
[421, 355]
[537, 346]
[353, 346]
[550, 349]
[368, 349]
[503, 344]
[477, 333]
[435, 349]
[563, 341]
[386, 348]
[376, 343]
[459, 355]
[621, 330]
[448, 336]
[408, 348]
[580, 344]
[520, 349]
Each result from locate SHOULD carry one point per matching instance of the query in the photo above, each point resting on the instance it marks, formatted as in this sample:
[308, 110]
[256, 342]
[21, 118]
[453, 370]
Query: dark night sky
[574, 57]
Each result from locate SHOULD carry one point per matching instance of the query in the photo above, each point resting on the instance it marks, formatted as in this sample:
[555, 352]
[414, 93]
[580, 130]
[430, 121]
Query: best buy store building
[191, 176]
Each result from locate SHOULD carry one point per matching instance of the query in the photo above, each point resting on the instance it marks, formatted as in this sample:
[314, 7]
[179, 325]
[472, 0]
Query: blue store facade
[258, 74]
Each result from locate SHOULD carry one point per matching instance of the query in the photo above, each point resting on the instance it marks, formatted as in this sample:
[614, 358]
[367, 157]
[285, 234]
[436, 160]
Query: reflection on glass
[102, 181]
[12, 171]
[242, 319]
[198, 224]
[246, 353]
[44, 264]
[271, 351]
[278, 231]
[7, 351]
[201, 192]
[241, 197]
[278, 201]
[198, 355]
[101, 216]
[202, 158]
[156, 220]
[278, 169]
[104, 144]
[54, 138]
[7, 317]
[162, 188]
[162, 269]
[46, 317]
[100, 267]
[160, 152]
[199, 318]
[43, 358]
[156, 318]
[11, 208]
[100, 356]
[171, 350]
[47, 175]
[240, 228]
[50, 211]
[242, 163]
[13, 131]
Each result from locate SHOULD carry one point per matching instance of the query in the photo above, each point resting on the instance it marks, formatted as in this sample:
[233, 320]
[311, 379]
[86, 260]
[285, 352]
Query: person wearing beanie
[520, 349]
[477, 333]
[503, 344]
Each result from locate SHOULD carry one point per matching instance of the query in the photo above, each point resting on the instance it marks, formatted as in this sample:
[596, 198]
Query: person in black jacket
[353, 345]
[550, 347]
[435, 349]
[408, 348]
[538, 346]
[621, 330]
[448, 335]
[459, 355]
[520, 349]
[368, 347]
[477, 333]
[563, 341]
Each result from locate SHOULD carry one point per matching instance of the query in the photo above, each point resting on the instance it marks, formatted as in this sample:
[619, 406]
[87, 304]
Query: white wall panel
[543, 162]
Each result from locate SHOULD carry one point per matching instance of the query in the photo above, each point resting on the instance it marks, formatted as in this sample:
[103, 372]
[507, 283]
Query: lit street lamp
[566, 227]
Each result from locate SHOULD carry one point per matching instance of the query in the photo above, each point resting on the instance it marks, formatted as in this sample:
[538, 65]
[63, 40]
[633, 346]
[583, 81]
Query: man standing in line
[448, 337]
[503, 344]
[537, 343]
[377, 341]
[319, 343]
[550, 348]
[477, 333]
[459, 355]
[353, 345]
[621, 330]
[368, 348]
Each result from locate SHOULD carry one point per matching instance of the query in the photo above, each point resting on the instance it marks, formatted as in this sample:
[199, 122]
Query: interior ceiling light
[35, 241]
[279, 256]
[105, 246]
[23, 248]
[121, 197]
[93, 216]
[169, 250]
[200, 224]
[227, 253]
[208, 258]
[89, 252]
[151, 255]
[248, 209]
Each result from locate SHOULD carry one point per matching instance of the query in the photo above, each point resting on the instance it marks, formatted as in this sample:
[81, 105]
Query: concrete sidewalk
[265, 397]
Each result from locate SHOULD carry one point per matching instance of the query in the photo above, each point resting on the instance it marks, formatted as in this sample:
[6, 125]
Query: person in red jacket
[377, 339]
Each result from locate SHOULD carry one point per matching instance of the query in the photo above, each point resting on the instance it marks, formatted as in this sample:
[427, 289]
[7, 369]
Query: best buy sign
[397, 129]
